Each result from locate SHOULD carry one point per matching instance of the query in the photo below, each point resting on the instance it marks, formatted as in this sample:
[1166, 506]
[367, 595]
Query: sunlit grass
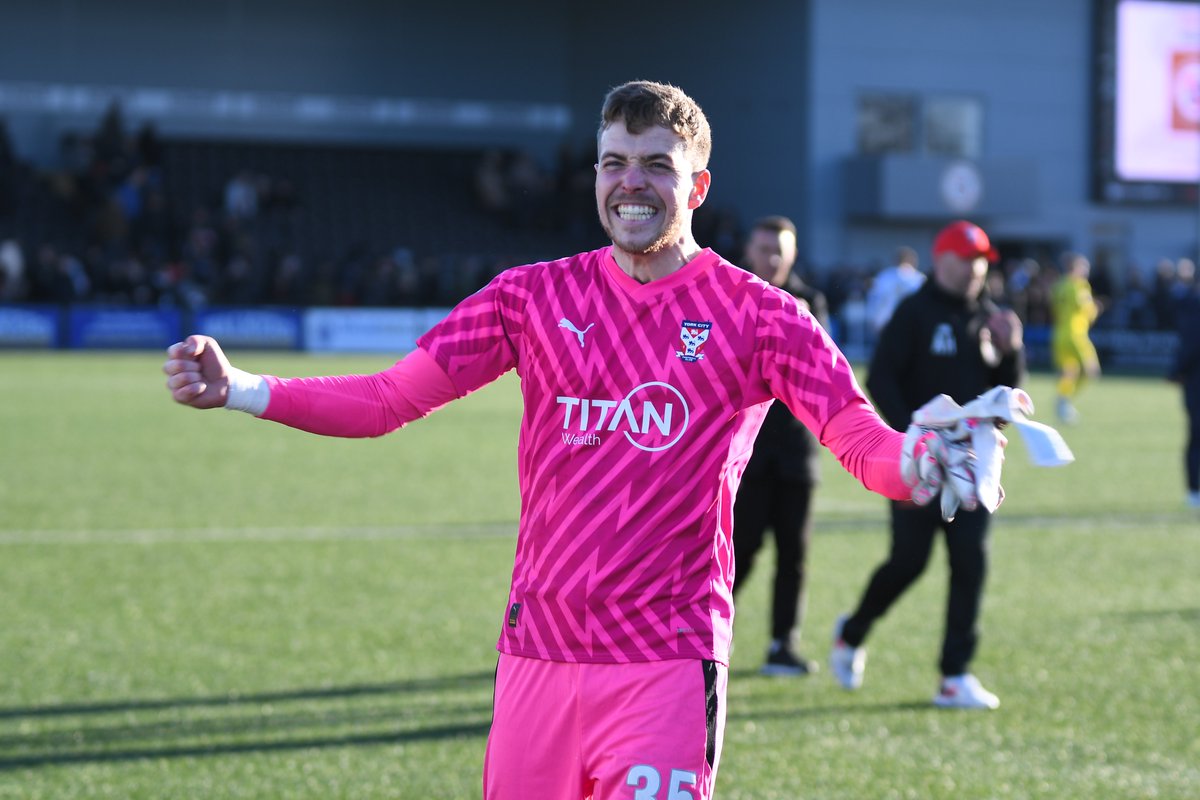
[205, 605]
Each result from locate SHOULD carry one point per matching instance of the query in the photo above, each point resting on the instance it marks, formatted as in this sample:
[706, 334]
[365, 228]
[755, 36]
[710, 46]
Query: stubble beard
[665, 239]
[669, 235]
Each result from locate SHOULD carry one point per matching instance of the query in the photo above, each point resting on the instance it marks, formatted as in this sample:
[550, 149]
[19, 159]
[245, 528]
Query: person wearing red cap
[946, 338]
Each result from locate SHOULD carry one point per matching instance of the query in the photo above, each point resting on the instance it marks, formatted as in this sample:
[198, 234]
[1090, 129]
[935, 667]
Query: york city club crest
[693, 335]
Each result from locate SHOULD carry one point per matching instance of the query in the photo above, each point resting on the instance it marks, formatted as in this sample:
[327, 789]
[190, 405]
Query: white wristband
[247, 392]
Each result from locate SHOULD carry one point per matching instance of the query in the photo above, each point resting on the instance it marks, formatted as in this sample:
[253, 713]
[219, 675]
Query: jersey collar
[703, 262]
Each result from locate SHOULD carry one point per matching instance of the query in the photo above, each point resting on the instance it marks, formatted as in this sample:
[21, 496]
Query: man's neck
[646, 267]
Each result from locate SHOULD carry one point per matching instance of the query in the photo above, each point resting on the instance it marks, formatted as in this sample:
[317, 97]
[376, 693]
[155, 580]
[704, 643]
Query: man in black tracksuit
[944, 339]
[777, 486]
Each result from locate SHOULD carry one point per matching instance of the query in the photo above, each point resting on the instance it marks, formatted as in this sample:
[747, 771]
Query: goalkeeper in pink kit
[646, 370]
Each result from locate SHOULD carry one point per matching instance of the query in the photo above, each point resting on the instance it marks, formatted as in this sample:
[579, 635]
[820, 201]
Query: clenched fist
[198, 372]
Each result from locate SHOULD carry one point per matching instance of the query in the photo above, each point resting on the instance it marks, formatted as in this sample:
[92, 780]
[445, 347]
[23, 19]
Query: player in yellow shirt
[1074, 312]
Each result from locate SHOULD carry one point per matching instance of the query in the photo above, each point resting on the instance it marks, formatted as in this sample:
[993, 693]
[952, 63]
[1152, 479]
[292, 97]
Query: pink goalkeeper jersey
[641, 405]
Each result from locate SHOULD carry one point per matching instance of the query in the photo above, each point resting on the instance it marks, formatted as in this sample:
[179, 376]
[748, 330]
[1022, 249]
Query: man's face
[645, 188]
[963, 277]
[771, 254]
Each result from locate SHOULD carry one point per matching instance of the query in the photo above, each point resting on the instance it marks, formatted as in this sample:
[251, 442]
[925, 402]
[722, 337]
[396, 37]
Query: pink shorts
[647, 731]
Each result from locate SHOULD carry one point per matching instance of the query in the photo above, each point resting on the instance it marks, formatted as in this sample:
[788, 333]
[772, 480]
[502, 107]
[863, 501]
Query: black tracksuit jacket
[930, 346]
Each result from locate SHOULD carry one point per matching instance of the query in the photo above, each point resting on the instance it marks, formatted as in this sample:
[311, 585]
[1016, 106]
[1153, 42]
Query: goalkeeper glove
[956, 453]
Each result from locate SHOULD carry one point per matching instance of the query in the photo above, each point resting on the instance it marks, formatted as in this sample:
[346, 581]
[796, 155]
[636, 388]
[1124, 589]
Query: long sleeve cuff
[247, 392]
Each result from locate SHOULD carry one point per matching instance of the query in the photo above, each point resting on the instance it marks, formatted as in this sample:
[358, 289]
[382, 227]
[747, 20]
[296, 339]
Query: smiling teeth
[632, 212]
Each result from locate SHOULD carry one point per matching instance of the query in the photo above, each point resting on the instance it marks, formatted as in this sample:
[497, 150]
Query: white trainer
[1067, 413]
[845, 662]
[1193, 499]
[964, 691]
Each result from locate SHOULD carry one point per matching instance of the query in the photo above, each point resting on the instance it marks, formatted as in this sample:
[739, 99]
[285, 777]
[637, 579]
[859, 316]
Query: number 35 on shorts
[648, 782]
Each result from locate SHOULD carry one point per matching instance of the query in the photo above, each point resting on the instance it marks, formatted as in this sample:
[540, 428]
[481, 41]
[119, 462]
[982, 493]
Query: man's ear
[700, 183]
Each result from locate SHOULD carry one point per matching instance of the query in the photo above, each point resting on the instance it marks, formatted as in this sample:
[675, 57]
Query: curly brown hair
[646, 104]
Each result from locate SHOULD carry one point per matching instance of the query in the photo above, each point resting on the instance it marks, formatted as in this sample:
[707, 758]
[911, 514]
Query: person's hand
[956, 452]
[919, 467]
[939, 462]
[1006, 331]
[197, 372]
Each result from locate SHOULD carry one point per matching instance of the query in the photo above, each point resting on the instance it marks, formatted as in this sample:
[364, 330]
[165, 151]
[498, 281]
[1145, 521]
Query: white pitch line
[234, 535]
[1099, 522]
[148, 536]
[1108, 522]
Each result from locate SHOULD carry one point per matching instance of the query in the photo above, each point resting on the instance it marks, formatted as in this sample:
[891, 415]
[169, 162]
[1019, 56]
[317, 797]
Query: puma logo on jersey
[573, 328]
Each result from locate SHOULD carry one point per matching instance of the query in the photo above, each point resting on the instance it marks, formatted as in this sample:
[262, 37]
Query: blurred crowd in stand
[103, 227]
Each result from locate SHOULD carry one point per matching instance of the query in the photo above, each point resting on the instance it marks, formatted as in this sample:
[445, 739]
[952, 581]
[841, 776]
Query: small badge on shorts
[512, 614]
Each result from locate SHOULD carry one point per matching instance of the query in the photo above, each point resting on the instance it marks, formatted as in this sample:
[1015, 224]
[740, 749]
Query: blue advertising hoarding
[253, 328]
[123, 328]
[28, 325]
[367, 330]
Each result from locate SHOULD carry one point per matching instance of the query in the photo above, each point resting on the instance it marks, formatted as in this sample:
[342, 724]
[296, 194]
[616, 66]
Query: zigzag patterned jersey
[641, 405]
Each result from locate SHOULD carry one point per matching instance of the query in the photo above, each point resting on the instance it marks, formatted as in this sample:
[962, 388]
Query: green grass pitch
[201, 605]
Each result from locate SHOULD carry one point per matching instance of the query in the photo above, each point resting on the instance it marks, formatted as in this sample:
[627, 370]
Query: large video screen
[1148, 100]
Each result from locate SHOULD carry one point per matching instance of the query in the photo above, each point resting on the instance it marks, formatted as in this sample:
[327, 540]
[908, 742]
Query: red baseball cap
[965, 240]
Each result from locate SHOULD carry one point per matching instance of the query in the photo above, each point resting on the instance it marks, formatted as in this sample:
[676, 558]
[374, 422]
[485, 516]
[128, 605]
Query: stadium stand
[308, 213]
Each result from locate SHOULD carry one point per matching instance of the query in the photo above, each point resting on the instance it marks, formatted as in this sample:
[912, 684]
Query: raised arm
[199, 375]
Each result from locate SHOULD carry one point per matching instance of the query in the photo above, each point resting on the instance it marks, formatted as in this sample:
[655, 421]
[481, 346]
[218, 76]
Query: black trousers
[913, 531]
[1191, 454]
[782, 505]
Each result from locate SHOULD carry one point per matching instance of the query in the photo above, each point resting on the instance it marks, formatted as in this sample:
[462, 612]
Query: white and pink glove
[956, 452]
